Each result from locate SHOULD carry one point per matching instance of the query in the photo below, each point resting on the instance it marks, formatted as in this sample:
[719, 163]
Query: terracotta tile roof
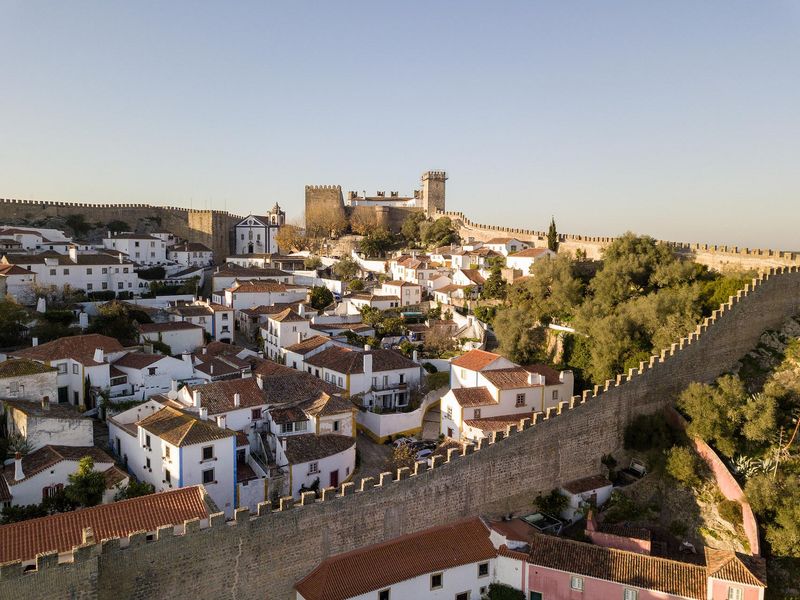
[132, 236]
[19, 367]
[137, 360]
[5, 494]
[191, 310]
[381, 565]
[628, 568]
[551, 376]
[171, 326]
[114, 476]
[449, 289]
[343, 360]
[306, 447]
[221, 366]
[217, 396]
[738, 568]
[497, 423]
[585, 484]
[54, 409]
[284, 385]
[103, 258]
[627, 531]
[47, 456]
[287, 414]
[234, 270]
[530, 253]
[499, 240]
[397, 282]
[190, 247]
[14, 270]
[62, 532]
[374, 297]
[474, 276]
[78, 347]
[182, 429]
[288, 316]
[508, 379]
[263, 309]
[475, 360]
[308, 344]
[325, 405]
[474, 396]
[255, 287]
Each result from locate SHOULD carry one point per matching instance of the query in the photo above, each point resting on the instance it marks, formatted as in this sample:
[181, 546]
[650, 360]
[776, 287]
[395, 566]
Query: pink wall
[608, 540]
[719, 591]
[725, 480]
[554, 585]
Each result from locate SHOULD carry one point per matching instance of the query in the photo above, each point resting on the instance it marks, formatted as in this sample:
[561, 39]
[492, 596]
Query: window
[125, 270]
[152, 244]
[208, 476]
[436, 581]
[137, 255]
[449, 412]
[576, 583]
[136, 244]
[167, 476]
[52, 272]
[119, 285]
[88, 271]
[166, 451]
[477, 413]
[462, 596]
[520, 400]
[336, 425]
[208, 452]
[224, 316]
[463, 372]
[147, 464]
[13, 387]
[340, 382]
[66, 271]
[536, 596]
[74, 369]
[733, 593]
[151, 370]
[105, 270]
[483, 569]
[89, 287]
[255, 414]
[555, 394]
[62, 369]
[313, 467]
[146, 441]
[105, 285]
[383, 595]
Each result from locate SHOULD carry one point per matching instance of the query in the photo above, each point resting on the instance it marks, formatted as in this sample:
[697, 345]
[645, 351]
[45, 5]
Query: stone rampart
[714, 256]
[210, 227]
[262, 555]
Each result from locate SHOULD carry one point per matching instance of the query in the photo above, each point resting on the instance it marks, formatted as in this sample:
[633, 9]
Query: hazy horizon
[679, 121]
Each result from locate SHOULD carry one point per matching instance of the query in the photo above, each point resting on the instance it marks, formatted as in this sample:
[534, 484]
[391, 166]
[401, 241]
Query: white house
[379, 301]
[506, 245]
[384, 377]
[451, 294]
[211, 366]
[190, 254]
[583, 493]
[257, 234]
[32, 478]
[408, 293]
[487, 396]
[98, 272]
[316, 461]
[283, 329]
[180, 336]
[22, 378]
[82, 362]
[170, 448]
[239, 403]
[142, 248]
[458, 562]
[525, 259]
[229, 273]
[44, 423]
[215, 319]
[294, 355]
[149, 374]
[246, 294]
[275, 261]
[19, 283]
[469, 278]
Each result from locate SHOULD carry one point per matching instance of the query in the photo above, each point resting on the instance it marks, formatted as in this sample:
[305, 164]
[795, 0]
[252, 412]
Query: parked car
[423, 445]
[402, 441]
[424, 454]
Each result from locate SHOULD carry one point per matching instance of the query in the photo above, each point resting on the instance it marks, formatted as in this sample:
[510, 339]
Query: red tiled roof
[551, 376]
[508, 379]
[137, 360]
[498, 423]
[62, 532]
[306, 447]
[182, 429]
[342, 360]
[217, 397]
[475, 360]
[77, 347]
[474, 396]
[585, 484]
[171, 326]
[474, 276]
[381, 565]
[47, 456]
[738, 568]
[530, 253]
[308, 344]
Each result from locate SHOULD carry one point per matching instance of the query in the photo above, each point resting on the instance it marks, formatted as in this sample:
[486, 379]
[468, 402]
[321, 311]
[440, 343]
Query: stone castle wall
[209, 227]
[262, 556]
[715, 257]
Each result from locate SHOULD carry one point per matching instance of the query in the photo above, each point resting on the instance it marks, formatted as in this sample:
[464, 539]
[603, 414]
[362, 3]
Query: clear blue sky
[679, 119]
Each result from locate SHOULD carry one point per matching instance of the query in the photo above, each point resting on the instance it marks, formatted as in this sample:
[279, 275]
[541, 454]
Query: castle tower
[433, 191]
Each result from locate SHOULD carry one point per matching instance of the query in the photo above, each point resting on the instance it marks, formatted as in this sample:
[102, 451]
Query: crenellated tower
[433, 187]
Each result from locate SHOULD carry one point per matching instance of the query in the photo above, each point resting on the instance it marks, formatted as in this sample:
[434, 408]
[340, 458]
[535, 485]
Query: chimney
[99, 355]
[221, 421]
[211, 368]
[34, 341]
[173, 388]
[367, 347]
[120, 258]
[73, 253]
[260, 381]
[237, 399]
[415, 356]
[188, 358]
[205, 350]
[196, 398]
[367, 364]
[45, 402]
[109, 234]
[283, 444]
[148, 348]
[18, 474]
[87, 535]
[203, 413]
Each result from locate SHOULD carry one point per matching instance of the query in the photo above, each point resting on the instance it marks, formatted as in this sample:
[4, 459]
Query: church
[256, 234]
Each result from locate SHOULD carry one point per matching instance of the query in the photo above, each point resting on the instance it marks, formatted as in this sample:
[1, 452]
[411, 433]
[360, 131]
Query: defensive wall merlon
[680, 247]
[777, 288]
[47, 203]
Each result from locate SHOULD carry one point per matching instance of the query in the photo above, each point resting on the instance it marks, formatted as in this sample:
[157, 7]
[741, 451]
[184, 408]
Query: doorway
[335, 478]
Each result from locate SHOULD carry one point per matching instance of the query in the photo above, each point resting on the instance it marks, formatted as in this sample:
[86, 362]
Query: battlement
[440, 175]
[323, 187]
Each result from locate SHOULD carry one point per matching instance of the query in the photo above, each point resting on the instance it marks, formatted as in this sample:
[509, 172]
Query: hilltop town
[385, 400]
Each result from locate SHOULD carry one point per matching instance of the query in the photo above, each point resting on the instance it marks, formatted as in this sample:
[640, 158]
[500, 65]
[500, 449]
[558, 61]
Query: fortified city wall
[715, 257]
[263, 555]
[209, 227]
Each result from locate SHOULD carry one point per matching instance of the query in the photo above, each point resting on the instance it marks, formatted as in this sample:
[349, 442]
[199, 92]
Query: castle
[381, 209]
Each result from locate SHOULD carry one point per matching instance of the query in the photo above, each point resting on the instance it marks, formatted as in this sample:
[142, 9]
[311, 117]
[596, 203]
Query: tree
[552, 503]
[501, 591]
[290, 238]
[440, 233]
[377, 242]
[402, 456]
[320, 297]
[134, 489]
[438, 340]
[77, 223]
[116, 226]
[410, 229]
[325, 221]
[363, 221]
[356, 285]
[86, 486]
[682, 465]
[114, 319]
[760, 417]
[312, 263]
[12, 322]
[346, 268]
[553, 293]
[495, 286]
[715, 413]
[552, 236]
[521, 339]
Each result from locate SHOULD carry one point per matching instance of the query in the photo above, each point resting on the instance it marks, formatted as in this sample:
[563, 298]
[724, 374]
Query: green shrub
[552, 503]
[731, 511]
[678, 528]
[682, 465]
[436, 380]
[500, 591]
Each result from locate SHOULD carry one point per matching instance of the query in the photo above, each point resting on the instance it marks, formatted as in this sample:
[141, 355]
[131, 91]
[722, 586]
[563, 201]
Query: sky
[676, 119]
